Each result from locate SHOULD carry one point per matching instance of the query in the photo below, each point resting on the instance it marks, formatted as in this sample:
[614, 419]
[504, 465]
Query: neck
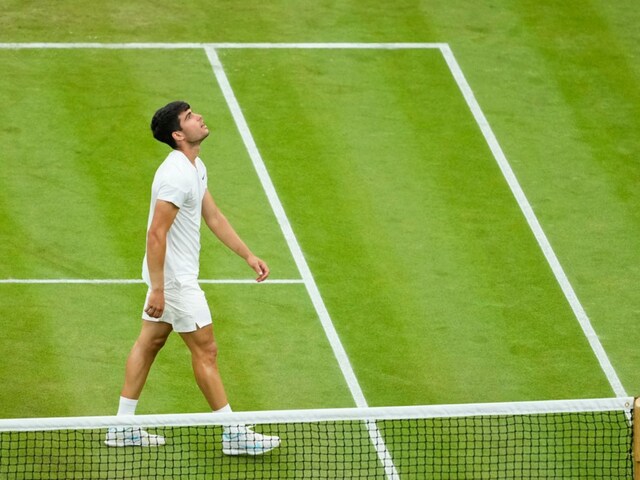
[191, 151]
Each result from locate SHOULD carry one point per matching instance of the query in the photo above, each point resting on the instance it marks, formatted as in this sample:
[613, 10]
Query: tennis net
[549, 439]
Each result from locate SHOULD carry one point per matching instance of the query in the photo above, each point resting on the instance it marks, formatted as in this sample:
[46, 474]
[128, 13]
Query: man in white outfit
[175, 301]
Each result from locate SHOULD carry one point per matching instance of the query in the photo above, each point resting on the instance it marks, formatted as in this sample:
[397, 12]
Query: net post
[636, 439]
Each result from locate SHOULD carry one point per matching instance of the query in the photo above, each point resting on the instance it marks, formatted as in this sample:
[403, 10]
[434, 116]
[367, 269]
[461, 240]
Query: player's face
[193, 127]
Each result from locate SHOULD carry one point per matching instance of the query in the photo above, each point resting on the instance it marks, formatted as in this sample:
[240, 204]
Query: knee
[152, 345]
[208, 353]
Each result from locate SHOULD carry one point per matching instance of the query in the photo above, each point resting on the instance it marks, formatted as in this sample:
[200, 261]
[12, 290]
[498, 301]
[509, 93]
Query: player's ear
[177, 135]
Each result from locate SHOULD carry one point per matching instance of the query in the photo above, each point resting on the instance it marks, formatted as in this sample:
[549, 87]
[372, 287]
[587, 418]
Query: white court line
[125, 281]
[303, 267]
[534, 224]
[174, 46]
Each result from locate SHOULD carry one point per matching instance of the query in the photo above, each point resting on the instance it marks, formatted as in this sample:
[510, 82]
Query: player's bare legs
[152, 338]
[204, 358]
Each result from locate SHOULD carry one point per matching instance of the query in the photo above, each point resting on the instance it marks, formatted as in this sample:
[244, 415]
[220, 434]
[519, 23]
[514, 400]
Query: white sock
[225, 409]
[127, 406]
[230, 428]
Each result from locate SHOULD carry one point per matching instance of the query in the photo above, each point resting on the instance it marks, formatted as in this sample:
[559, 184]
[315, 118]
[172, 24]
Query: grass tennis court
[431, 276]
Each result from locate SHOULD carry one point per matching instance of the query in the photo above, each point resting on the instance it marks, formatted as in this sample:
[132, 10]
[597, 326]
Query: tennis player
[175, 301]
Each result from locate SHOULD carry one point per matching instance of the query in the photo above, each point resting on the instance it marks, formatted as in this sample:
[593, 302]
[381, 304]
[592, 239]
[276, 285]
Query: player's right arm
[163, 216]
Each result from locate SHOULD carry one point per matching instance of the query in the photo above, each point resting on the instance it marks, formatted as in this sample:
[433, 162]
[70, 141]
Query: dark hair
[165, 121]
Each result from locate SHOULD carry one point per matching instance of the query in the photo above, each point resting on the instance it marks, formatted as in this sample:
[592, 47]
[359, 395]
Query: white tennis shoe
[132, 437]
[241, 440]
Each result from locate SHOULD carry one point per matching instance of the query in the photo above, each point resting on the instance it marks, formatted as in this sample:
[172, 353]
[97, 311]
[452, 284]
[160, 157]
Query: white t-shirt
[178, 182]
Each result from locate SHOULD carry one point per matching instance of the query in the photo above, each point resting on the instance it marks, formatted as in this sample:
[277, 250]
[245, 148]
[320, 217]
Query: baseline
[177, 46]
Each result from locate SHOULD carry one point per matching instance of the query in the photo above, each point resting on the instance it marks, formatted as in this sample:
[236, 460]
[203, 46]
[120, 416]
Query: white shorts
[185, 306]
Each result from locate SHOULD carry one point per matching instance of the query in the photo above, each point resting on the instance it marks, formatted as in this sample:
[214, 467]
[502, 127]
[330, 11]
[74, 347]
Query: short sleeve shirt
[179, 182]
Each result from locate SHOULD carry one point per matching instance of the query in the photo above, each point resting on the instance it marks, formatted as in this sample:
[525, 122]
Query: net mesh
[477, 445]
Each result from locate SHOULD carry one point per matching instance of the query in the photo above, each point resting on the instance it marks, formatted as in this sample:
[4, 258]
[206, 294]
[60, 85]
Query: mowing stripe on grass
[303, 267]
[534, 224]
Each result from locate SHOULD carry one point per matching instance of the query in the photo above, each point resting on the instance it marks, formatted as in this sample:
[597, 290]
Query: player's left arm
[221, 228]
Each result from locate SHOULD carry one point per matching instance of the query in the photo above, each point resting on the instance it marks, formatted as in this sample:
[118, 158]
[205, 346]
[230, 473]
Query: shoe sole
[112, 443]
[246, 451]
